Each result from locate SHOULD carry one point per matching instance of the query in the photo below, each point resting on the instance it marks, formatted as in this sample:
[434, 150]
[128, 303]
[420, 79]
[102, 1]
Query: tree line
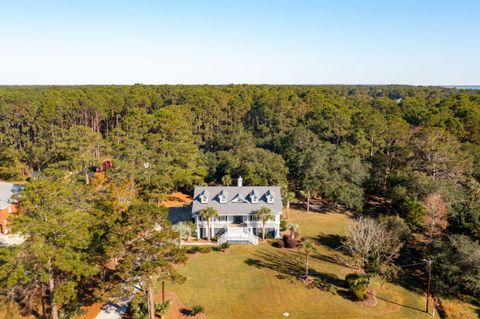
[412, 152]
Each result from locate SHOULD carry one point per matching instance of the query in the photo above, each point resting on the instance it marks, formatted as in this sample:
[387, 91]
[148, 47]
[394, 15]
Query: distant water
[464, 87]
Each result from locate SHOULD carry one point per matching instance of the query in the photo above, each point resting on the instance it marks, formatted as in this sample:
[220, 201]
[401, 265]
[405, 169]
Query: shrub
[283, 225]
[357, 285]
[359, 292]
[205, 249]
[71, 311]
[192, 249]
[396, 225]
[224, 246]
[162, 307]
[354, 279]
[291, 243]
[278, 243]
[138, 307]
[196, 310]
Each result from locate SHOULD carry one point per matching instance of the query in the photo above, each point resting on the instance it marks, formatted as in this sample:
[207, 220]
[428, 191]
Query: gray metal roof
[242, 207]
[7, 192]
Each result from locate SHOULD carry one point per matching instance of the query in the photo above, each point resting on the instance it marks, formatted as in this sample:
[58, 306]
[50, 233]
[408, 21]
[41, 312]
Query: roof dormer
[238, 199]
[222, 197]
[203, 197]
[270, 198]
[254, 197]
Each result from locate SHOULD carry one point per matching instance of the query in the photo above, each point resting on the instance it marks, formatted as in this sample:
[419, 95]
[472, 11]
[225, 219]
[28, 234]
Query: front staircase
[237, 235]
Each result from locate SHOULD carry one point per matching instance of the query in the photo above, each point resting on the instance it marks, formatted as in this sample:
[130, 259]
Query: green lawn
[260, 281]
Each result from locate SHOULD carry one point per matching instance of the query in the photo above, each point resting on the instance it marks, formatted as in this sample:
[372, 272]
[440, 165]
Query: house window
[203, 199]
[223, 199]
[254, 199]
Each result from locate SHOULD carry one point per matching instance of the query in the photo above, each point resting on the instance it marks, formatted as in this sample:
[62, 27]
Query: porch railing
[237, 235]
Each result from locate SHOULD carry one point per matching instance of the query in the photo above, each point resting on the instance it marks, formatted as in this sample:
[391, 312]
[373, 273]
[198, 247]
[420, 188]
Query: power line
[428, 263]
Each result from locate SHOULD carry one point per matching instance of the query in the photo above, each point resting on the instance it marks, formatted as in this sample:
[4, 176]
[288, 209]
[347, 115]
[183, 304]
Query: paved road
[113, 310]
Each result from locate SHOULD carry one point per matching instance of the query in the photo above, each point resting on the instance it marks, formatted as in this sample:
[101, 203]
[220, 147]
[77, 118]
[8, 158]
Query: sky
[419, 42]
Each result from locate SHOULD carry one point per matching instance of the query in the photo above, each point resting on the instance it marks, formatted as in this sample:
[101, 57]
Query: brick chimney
[240, 181]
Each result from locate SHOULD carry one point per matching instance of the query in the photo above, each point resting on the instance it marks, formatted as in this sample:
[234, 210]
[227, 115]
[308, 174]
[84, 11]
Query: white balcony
[253, 224]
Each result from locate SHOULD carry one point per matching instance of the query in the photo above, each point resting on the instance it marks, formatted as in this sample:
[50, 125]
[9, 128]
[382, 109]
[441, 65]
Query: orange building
[8, 207]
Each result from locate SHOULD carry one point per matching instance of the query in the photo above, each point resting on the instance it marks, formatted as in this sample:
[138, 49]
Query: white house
[236, 206]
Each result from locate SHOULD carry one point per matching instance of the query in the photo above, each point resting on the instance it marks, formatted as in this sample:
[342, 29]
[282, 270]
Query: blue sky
[219, 41]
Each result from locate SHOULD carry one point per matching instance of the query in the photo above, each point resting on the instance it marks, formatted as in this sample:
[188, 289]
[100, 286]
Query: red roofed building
[8, 206]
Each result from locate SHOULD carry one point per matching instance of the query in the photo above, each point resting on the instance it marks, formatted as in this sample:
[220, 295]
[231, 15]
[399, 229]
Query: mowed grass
[261, 281]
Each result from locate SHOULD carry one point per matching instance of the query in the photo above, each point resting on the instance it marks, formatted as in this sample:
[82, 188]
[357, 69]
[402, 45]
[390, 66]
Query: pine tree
[144, 245]
[57, 224]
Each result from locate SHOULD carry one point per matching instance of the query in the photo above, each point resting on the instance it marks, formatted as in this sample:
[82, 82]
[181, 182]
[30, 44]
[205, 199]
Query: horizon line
[239, 84]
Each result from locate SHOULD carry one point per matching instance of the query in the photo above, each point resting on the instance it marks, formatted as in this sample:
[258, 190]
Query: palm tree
[162, 308]
[290, 198]
[184, 231]
[208, 213]
[293, 228]
[264, 214]
[308, 248]
[306, 194]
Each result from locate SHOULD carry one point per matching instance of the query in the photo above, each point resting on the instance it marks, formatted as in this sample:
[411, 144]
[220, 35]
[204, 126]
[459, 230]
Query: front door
[237, 219]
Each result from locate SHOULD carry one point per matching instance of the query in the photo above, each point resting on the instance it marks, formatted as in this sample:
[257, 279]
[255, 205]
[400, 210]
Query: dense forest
[408, 151]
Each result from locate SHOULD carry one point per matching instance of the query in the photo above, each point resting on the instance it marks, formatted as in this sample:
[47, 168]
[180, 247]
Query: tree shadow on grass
[291, 266]
[332, 241]
[399, 304]
[413, 280]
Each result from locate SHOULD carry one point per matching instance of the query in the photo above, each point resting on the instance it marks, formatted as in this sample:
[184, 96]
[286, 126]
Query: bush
[278, 243]
[162, 307]
[224, 246]
[283, 225]
[357, 285]
[205, 249]
[355, 279]
[291, 243]
[138, 308]
[192, 249]
[359, 292]
[269, 235]
[196, 310]
[397, 226]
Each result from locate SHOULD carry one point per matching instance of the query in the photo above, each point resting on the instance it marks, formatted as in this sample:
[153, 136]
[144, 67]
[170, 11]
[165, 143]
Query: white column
[212, 227]
[198, 227]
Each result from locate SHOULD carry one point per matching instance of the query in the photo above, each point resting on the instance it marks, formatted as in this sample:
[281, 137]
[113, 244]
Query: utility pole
[429, 270]
[427, 262]
[163, 292]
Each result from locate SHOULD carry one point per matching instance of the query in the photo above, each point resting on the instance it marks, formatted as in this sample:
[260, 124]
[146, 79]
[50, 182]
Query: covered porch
[219, 225]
